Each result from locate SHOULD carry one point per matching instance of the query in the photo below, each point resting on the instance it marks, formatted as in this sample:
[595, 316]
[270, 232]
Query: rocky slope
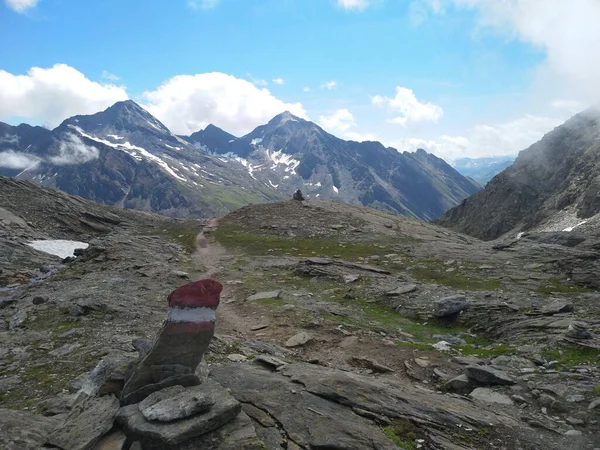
[553, 185]
[290, 153]
[339, 327]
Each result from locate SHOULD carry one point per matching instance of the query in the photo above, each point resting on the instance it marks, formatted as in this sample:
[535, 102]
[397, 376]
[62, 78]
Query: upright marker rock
[180, 346]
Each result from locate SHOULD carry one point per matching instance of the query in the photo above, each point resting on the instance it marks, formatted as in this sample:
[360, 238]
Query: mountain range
[554, 185]
[124, 156]
[482, 170]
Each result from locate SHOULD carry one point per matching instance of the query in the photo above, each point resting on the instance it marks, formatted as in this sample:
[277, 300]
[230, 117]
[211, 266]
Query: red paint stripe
[199, 293]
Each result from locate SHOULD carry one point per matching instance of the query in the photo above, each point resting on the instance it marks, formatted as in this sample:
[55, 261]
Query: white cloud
[278, 80]
[306, 89]
[354, 5]
[21, 6]
[569, 106]
[109, 76]
[567, 31]
[72, 150]
[188, 103]
[203, 4]
[329, 85]
[51, 95]
[338, 122]
[412, 111]
[502, 139]
[17, 160]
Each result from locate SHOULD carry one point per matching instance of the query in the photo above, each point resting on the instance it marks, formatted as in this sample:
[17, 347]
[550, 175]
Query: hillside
[337, 324]
[553, 185]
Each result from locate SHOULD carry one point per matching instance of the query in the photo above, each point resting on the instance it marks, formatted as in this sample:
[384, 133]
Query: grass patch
[555, 286]
[569, 357]
[488, 351]
[184, 233]
[261, 244]
[455, 280]
[402, 433]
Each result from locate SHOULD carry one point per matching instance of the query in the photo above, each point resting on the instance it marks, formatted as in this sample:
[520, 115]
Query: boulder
[298, 340]
[89, 420]
[460, 384]
[22, 430]
[449, 306]
[488, 376]
[557, 306]
[578, 331]
[225, 409]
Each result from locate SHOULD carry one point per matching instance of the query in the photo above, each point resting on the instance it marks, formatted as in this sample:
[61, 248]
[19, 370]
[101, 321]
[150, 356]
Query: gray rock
[8, 383]
[489, 396]
[64, 350]
[265, 295]
[225, 409]
[488, 376]
[56, 405]
[460, 384]
[159, 396]
[449, 306]
[577, 398]
[17, 320]
[454, 340]
[298, 340]
[239, 434]
[574, 421]
[22, 430]
[573, 433]
[88, 421]
[269, 361]
[113, 441]
[576, 331]
[516, 362]
[39, 299]
[178, 405]
[403, 289]
[595, 404]
[557, 306]
[236, 357]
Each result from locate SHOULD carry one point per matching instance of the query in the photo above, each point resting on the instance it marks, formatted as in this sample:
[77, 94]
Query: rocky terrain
[552, 186]
[125, 157]
[339, 327]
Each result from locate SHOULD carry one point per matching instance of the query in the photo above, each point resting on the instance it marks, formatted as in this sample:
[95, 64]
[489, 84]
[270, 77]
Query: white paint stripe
[201, 314]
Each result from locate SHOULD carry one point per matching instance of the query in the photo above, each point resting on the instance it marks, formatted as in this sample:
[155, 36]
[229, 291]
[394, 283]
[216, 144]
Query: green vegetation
[569, 357]
[434, 273]
[490, 351]
[183, 233]
[597, 390]
[402, 433]
[255, 244]
[555, 286]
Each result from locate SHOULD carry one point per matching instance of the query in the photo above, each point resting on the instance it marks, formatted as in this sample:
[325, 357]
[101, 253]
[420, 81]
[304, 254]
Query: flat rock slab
[88, 421]
[177, 403]
[265, 295]
[404, 289]
[23, 430]
[298, 339]
[488, 376]
[225, 409]
[557, 306]
[359, 361]
[489, 396]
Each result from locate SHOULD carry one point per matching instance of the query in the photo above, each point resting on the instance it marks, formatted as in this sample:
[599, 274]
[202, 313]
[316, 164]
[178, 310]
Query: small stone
[299, 339]
[573, 433]
[594, 404]
[17, 320]
[442, 346]
[467, 360]
[180, 274]
[575, 398]
[518, 399]
[574, 421]
[235, 357]
[351, 278]
[367, 363]
[260, 326]
[38, 300]
[265, 295]
[421, 362]
[557, 307]
[454, 340]
[489, 396]
[546, 400]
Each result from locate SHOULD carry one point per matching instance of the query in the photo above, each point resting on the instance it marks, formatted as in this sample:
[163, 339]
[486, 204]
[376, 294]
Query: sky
[472, 78]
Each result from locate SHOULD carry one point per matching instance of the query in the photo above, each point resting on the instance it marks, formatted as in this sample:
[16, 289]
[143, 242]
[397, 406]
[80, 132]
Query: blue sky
[457, 77]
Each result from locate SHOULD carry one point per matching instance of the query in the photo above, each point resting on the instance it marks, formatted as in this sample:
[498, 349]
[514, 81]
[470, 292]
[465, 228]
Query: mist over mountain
[482, 170]
[552, 185]
[126, 157]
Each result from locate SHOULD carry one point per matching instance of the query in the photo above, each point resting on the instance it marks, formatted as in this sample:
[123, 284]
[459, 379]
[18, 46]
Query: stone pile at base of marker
[157, 401]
